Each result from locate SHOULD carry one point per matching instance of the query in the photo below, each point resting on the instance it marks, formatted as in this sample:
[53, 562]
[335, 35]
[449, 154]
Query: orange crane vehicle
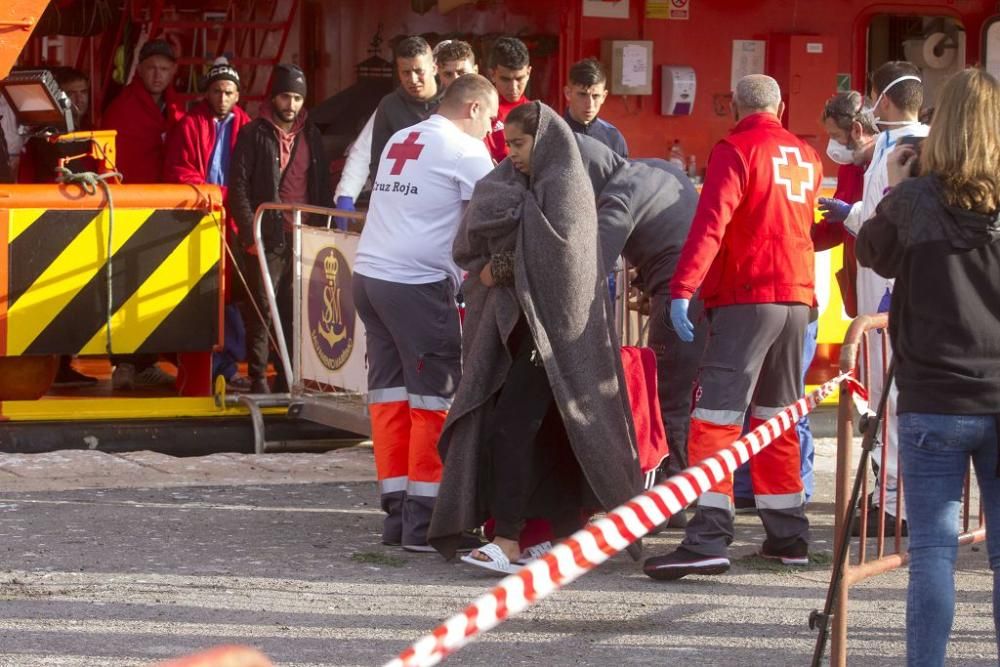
[95, 267]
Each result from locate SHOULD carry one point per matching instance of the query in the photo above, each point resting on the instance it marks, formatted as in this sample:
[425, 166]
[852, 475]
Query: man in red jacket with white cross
[750, 253]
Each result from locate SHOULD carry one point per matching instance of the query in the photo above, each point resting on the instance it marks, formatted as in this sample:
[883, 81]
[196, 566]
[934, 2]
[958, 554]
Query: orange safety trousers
[405, 442]
[414, 348]
[774, 471]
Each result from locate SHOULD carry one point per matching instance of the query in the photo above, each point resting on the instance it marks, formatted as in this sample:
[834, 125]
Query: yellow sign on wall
[677, 10]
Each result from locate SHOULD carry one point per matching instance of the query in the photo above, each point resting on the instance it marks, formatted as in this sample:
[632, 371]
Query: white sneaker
[123, 377]
[154, 376]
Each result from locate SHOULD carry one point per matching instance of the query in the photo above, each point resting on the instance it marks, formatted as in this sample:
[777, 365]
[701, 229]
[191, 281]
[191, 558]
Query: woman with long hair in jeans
[938, 235]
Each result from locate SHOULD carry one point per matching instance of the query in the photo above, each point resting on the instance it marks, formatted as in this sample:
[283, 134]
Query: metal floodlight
[37, 100]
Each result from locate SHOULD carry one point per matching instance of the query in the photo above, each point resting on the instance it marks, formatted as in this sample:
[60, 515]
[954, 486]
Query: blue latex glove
[344, 204]
[885, 302]
[834, 210]
[679, 319]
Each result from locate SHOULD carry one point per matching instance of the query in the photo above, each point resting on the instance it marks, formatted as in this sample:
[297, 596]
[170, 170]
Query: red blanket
[640, 380]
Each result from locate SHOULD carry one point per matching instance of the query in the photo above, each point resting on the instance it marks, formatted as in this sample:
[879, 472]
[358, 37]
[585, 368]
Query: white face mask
[869, 111]
[839, 153]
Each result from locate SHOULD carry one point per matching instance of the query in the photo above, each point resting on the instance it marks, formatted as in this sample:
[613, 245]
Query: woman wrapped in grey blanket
[540, 427]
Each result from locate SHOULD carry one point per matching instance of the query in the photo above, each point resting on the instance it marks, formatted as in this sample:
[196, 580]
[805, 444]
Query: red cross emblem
[408, 150]
[796, 176]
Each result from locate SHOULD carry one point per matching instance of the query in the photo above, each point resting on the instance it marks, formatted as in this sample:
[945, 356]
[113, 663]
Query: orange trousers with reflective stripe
[774, 471]
[706, 439]
[405, 441]
[391, 438]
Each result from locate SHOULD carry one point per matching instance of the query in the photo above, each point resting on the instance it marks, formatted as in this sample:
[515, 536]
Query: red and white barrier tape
[601, 539]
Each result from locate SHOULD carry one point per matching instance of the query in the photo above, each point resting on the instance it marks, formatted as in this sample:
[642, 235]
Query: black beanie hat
[221, 70]
[288, 79]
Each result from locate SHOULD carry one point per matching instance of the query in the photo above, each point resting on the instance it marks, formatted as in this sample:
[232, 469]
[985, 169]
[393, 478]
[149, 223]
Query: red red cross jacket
[142, 131]
[749, 241]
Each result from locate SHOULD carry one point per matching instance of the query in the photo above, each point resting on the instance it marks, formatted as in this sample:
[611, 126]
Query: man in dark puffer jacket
[278, 158]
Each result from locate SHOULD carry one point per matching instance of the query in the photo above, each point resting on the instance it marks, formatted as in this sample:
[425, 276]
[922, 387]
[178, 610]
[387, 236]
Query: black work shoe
[890, 525]
[681, 563]
[796, 554]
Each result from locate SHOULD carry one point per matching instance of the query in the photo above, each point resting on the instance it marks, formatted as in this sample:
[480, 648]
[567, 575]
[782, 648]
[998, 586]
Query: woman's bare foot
[511, 549]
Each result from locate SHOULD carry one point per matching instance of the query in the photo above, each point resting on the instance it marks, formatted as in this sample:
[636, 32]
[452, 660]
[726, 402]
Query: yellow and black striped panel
[164, 281]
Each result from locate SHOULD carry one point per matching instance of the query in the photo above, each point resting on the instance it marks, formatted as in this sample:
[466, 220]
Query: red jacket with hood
[142, 131]
[749, 240]
[189, 148]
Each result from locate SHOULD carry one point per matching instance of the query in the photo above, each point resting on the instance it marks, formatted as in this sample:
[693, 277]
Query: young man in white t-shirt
[405, 282]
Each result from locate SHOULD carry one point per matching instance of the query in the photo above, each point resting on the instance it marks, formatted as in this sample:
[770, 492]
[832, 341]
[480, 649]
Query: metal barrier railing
[856, 354]
[290, 365]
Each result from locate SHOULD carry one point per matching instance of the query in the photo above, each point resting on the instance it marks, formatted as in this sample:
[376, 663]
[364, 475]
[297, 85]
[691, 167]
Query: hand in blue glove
[834, 210]
[344, 204]
[679, 319]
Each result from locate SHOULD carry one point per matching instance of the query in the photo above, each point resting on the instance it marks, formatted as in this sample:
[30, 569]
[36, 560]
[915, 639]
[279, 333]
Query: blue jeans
[234, 344]
[742, 487]
[934, 452]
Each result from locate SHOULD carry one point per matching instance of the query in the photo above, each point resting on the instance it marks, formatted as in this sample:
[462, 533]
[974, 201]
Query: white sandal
[498, 561]
[533, 552]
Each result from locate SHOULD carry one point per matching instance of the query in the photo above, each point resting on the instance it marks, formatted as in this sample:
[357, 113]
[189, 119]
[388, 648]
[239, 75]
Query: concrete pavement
[126, 559]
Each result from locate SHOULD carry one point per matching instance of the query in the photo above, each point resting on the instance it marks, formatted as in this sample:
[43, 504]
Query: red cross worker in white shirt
[405, 283]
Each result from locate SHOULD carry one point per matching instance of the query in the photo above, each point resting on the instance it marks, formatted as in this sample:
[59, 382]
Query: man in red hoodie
[509, 70]
[202, 144]
[199, 151]
[144, 113]
[750, 254]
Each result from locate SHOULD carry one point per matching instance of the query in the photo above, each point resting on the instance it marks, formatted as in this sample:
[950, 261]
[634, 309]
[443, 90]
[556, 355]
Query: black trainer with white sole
[795, 556]
[681, 563]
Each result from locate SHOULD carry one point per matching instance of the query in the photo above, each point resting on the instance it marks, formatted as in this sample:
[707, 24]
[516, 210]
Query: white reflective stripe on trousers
[720, 417]
[393, 484]
[387, 395]
[423, 489]
[420, 402]
[717, 500]
[780, 501]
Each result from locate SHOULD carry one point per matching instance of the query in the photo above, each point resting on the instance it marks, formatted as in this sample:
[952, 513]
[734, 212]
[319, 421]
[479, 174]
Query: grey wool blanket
[550, 222]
